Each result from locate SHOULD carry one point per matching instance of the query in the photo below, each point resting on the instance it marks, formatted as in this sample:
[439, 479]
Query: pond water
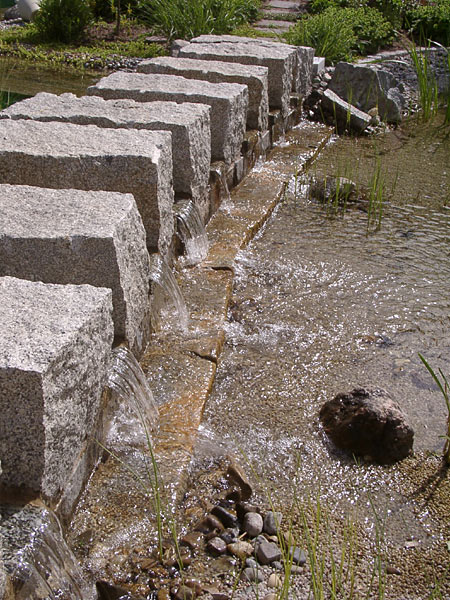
[22, 77]
[321, 305]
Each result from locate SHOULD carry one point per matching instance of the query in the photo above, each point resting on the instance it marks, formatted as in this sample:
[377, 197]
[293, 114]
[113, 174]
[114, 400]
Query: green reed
[444, 387]
[426, 81]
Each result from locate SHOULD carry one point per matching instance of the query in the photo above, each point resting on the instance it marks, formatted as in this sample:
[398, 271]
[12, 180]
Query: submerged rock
[332, 189]
[368, 423]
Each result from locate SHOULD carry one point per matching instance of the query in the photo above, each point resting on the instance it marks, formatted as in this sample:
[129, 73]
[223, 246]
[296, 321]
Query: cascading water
[137, 413]
[191, 231]
[166, 290]
[37, 558]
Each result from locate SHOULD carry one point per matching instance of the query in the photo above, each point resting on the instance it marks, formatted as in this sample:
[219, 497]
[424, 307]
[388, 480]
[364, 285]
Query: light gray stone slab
[78, 237]
[54, 353]
[280, 59]
[344, 114]
[318, 65]
[62, 155]
[189, 124]
[228, 102]
[254, 77]
[304, 70]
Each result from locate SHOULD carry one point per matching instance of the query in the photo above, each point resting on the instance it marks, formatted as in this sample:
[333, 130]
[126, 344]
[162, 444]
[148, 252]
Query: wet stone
[225, 516]
[216, 546]
[252, 575]
[252, 524]
[272, 521]
[242, 508]
[193, 539]
[240, 549]
[209, 524]
[267, 552]
[270, 597]
[163, 594]
[183, 592]
[230, 535]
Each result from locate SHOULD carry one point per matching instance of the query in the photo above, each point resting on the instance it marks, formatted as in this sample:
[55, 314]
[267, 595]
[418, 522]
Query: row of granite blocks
[87, 192]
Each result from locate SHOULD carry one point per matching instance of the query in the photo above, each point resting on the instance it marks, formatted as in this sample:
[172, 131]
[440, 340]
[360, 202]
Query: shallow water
[21, 77]
[321, 306]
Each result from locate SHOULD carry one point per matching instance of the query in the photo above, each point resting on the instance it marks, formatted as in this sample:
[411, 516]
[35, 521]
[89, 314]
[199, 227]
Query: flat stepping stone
[62, 155]
[274, 25]
[54, 351]
[280, 59]
[189, 124]
[80, 237]
[254, 77]
[228, 102]
[287, 5]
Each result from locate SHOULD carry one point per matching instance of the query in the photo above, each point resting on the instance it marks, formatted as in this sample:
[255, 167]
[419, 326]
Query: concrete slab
[228, 102]
[189, 124]
[80, 237]
[54, 353]
[279, 58]
[62, 155]
[254, 77]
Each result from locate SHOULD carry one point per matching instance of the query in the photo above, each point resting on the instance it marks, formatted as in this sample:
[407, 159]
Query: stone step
[62, 155]
[254, 77]
[283, 5]
[274, 25]
[279, 58]
[189, 124]
[80, 237]
[54, 352]
[228, 102]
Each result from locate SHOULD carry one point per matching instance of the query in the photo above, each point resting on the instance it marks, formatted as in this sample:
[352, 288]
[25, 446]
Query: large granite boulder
[367, 87]
[368, 423]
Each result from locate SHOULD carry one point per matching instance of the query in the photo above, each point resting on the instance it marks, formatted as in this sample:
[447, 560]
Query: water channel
[320, 305]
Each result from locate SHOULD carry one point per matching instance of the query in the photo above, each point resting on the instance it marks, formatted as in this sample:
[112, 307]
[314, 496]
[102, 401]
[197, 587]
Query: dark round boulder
[368, 423]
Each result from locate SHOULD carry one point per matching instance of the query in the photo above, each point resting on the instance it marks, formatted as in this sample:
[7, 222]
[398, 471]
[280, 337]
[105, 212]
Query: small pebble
[216, 546]
[240, 549]
[272, 521]
[252, 524]
[274, 581]
[251, 563]
[267, 552]
[252, 575]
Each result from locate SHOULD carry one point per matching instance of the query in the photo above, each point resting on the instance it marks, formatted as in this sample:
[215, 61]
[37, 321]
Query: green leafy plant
[178, 18]
[330, 33]
[429, 21]
[337, 33]
[444, 387]
[62, 20]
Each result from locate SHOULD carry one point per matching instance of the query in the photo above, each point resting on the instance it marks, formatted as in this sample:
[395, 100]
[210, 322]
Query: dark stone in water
[333, 189]
[225, 516]
[236, 474]
[368, 423]
[108, 591]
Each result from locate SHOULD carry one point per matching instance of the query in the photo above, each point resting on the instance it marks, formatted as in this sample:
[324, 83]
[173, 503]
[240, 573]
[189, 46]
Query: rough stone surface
[272, 521]
[280, 59]
[79, 237]
[62, 155]
[216, 546]
[228, 102]
[250, 574]
[344, 115]
[367, 87]
[303, 73]
[54, 352]
[252, 524]
[254, 77]
[318, 65]
[368, 423]
[189, 124]
[267, 552]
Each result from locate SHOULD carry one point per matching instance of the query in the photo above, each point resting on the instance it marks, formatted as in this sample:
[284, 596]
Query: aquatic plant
[427, 84]
[444, 387]
[376, 196]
